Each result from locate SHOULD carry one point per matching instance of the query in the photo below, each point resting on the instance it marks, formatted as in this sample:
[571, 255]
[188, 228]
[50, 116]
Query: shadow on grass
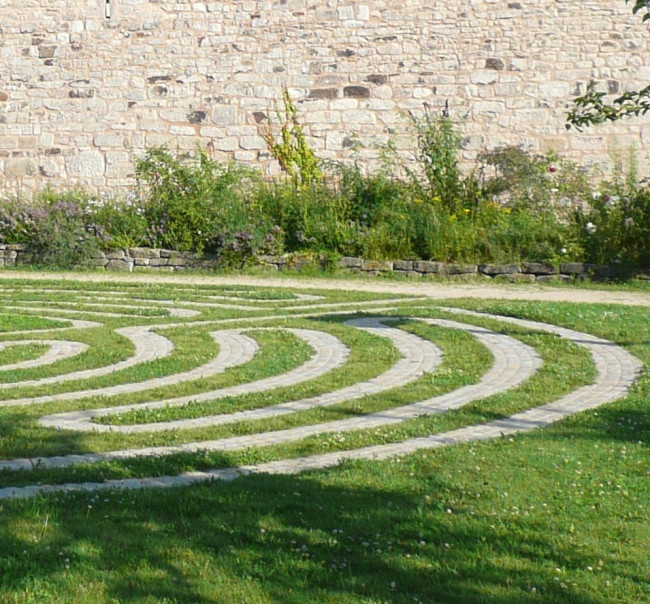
[310, 538]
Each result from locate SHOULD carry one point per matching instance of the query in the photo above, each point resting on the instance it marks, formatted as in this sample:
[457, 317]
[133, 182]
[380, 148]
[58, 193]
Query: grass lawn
[554, 515]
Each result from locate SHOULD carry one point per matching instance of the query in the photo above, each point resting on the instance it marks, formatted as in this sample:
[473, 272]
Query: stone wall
[139, 258]
[80, 93]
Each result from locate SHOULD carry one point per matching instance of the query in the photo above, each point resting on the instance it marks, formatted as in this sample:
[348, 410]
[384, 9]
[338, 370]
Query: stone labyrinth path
[97, 380]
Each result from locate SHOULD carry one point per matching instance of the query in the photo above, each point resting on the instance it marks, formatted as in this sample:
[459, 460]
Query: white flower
[591, 228]
[628, 222]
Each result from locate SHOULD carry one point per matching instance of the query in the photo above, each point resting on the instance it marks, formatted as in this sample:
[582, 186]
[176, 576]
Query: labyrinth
[132, 386]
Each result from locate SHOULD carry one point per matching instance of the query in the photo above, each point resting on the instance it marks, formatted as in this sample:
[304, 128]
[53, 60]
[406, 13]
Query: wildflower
[590, 228]
[437, 199]
[628, 222]
[417, 200]
[552, 169]
[507, 210]
[466, 210]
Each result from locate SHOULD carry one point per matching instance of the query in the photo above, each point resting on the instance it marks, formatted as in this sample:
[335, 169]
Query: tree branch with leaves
[591, 108]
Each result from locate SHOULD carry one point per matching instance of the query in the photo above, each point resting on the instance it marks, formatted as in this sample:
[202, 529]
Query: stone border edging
[138, 258]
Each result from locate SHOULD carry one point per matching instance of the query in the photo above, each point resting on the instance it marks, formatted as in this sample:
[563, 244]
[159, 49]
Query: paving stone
[514, 362]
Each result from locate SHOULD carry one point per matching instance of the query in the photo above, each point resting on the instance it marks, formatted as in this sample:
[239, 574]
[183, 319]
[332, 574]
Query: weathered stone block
[538, 268]
[20, 168]
[498, 64]
[499, 269]
[376, 265]
[576, 268]
[356, 92]
[115, 255]
[46, 51]
[225, 115]
[86, 164]
[143, 252]
[179, 261]
[323, 93]
[350, 262]
[460, 269]
[610, 271]
[403, 265]
[119, 265]
[377, 79]
[428, 267]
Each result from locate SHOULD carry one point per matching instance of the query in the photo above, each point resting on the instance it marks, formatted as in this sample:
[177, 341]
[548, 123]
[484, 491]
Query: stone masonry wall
[157, 260]
[80, 93]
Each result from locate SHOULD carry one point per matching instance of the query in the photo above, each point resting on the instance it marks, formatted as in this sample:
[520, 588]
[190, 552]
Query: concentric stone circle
[147, 319]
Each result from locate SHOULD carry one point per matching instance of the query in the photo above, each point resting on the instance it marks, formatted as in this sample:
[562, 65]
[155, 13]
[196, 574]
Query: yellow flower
[437, 199]
[417, 200]
[507, 210]
[466, 210]
[453, 217]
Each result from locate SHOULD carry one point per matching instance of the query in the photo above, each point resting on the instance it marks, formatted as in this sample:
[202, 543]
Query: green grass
[16, 322]
[558, 515]
[19, 353]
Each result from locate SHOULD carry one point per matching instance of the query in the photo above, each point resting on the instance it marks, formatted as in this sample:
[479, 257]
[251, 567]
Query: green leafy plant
[438, 142]
[291, 148]
[56, 227]
[184, 198]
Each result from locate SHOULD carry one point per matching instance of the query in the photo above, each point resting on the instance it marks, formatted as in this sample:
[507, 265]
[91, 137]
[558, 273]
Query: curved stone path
[149, 346]
[71, 324]
[418, 357]
[514, 363]
[58, 350]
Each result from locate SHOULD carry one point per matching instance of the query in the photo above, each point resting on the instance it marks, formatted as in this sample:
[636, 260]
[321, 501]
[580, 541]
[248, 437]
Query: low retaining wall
[135, 259]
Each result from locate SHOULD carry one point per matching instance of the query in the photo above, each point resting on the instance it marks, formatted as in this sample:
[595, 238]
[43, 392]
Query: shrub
[55, 226]
[615, 227]
[122, 219]
[186, 200]
[314, 218]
